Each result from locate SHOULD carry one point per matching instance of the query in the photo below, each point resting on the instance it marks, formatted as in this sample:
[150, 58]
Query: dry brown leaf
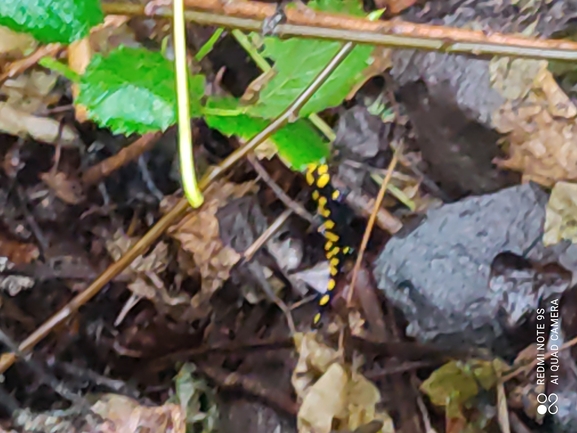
[255, 87]
[333, 395]
[122, 414]
[79, 56]
[198, 234]
[19, 253]
[154, 262]
[32, 91]
[67, 190]
[15, 45]
[380, 62]
[540, 125]
[561, 214]
[19, 123]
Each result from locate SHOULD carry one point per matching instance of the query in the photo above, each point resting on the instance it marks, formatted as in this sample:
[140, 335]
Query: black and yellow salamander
[335, 214]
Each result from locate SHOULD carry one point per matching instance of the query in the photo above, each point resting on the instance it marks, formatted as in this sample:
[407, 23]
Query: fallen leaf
[14, 45]
[67, 190]
[456, 383]
[14, 284]
[198, 234]
[539, 123]
[333, 395]
[123, 414]
[155, 261]
[19, 253]
[19, 123]
[32, 91]
[197, 400]
[79, 56]
[324, 401]
[561, 214]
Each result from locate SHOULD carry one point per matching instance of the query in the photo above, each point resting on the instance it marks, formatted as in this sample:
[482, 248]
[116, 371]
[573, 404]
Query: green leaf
[196, 399]
[348, 7]
[298, 143]
[450, 383]
[133, 90]
[61, 21]
[297, 62]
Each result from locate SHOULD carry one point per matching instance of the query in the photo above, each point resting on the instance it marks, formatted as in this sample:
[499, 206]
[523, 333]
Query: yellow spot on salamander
[322, 169]
[332, 284]
[310, 174]
[328, 245]
[346, 250]
[323, 180]
[336, 194]
[325, 213]
[333, 271]
[334, 262]
[324, 300]
[328, 225]
[331, 236]
[333, 252]
[316, 195]
[316, 319]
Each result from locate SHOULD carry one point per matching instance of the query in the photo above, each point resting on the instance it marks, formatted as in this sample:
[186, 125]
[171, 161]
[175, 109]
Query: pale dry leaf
[198, 234]
[175, 305]
[155, 261]
[333, 395]
[324, 401]
[380, 61]
[14, 45]
[513, 78]
[561, 214]
[314, 359]
[79, 56]
[14, 284]
[123, 414]
[255, 87]
[21, 124]
[67, 190]
[31, 92]
[541, 133]
[266, 150]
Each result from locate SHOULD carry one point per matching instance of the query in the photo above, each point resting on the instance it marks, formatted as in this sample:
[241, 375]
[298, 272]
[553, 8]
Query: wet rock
[438, 275]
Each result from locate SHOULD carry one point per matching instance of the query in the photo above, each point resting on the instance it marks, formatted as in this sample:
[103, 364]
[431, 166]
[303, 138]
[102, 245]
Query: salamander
[336, 219]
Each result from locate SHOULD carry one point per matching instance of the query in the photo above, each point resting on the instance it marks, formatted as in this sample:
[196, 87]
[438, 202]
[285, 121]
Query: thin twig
[177, 212]
[282, 196]
[43, 376]
[371, 222]
[249, 16]
[533, 364]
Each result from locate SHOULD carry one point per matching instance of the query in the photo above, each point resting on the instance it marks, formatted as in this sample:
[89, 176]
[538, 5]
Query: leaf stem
[209, 45]
[185, 148]
[61, 68]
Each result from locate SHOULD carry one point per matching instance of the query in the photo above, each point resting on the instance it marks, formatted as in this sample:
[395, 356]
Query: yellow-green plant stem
[209, 45]
[188, 174]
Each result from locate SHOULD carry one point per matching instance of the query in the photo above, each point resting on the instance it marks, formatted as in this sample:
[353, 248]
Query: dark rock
[438, 275]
